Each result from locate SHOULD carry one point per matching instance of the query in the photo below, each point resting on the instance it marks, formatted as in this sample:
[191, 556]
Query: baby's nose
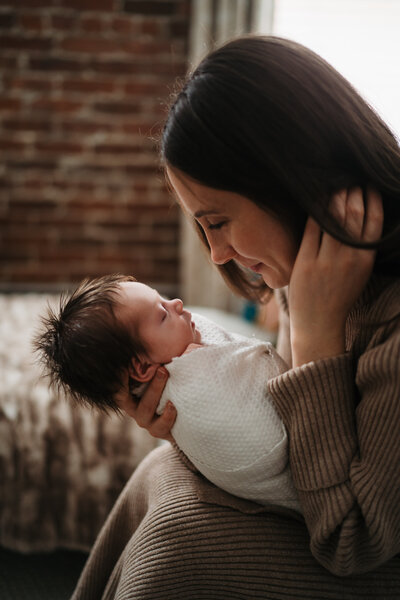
[178, 305]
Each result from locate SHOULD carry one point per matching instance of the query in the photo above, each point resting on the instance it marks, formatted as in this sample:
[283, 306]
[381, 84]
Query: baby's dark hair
[85, 350]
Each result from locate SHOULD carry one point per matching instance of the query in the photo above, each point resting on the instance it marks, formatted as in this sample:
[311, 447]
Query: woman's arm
[342, 411]
[345, 453]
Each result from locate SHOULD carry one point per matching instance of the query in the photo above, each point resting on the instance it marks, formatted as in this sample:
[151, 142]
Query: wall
[84, 86]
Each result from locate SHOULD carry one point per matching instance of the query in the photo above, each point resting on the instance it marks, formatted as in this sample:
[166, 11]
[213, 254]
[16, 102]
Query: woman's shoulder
[375, 319]
[380, 300]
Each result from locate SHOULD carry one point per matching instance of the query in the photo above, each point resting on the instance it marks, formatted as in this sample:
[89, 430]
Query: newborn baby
[226, 423]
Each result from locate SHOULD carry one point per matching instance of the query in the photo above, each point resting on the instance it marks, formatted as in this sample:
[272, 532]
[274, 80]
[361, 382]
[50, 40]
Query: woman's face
[237, 229]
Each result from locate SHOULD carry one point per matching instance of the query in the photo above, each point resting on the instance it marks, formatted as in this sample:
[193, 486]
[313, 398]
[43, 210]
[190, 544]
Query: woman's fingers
[162, 425]
[373, 222]
[355, 213]
[310, 242]
[337, 207]
[159, 426]
[146, 409]
[359, 213]
[124, 399]
[363, 221]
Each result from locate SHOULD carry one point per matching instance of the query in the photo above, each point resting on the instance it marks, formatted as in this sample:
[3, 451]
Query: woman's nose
[221, 252]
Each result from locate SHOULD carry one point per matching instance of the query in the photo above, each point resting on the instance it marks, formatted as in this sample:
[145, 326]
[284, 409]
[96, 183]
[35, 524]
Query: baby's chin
[197, 336]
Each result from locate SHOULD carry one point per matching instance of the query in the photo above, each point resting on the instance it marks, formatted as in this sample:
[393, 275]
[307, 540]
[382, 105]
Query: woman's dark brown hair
[83, 347]
[269, 119]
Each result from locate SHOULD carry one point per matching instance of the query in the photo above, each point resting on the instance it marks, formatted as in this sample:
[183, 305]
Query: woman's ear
[142, 370]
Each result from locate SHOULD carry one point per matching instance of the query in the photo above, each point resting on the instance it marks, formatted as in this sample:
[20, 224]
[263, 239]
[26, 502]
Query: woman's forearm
[345, 454]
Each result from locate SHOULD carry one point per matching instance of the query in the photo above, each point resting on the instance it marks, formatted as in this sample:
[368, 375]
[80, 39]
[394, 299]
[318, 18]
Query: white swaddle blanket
[226, 423]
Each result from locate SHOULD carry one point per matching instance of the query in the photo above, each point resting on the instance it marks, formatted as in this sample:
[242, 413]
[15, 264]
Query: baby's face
[164, 326]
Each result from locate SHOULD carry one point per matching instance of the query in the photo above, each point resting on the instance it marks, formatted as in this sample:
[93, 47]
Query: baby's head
[109, 328]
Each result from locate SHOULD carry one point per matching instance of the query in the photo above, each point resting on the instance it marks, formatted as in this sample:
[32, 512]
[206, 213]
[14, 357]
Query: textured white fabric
[226, 423]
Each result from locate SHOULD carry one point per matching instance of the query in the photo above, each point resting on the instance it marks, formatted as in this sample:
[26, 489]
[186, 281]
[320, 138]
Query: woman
[288, 174]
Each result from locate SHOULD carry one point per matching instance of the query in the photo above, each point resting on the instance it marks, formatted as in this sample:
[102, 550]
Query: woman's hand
[328, 276]
[144, 411]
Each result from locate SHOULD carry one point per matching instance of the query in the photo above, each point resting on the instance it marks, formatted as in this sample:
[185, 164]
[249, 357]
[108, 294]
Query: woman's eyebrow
[204, 213]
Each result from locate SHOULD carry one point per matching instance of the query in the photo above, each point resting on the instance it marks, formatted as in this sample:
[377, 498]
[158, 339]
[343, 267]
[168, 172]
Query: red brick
[8, 62]
[145, 67]
[179, 29]
[14, 42]
[31, 164]
[7, 20]
[115, 67]
[118, 149]
[29, 185]
[88, 85]
[85, 126]
[117, 108]
[110, 210]
[12, 146]
[60, 255]
[65, 22]
[88, 204]
[140, 127]
[31, 21]
[122, 24]
[9, 104]
[59, 147]
[29, 83]
[56, 105]
[30, 4]
[92, 24]
[70, 234]
[141, 186]
[149, 7]
[21, 210]
[53, 63]
[91, 45]
[149, 48]
[95, 5]
[18, 253]
[183, 9]
[154, 28]
[138, 169]
[17, 124]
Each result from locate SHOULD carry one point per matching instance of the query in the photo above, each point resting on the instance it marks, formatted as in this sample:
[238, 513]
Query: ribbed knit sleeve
[343, 419]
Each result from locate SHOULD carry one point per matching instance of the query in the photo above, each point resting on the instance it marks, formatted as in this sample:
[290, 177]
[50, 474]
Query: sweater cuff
[317, 405]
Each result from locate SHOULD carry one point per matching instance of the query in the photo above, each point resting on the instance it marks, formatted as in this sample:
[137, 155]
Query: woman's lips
[256, 268]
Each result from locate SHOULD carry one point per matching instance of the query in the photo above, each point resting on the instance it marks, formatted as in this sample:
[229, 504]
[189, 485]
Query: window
[360, 38]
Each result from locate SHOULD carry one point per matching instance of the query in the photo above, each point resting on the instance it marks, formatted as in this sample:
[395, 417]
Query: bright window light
[360, 38]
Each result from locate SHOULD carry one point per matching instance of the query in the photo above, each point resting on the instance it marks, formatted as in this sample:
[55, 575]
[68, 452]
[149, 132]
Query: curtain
[212, 23]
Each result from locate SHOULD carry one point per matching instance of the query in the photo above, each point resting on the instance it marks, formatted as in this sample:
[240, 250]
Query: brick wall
[84, 85]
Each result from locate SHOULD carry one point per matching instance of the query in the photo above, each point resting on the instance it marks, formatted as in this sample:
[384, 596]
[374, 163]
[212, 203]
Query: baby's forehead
[136, 286]
[134, 291]
[136, 303]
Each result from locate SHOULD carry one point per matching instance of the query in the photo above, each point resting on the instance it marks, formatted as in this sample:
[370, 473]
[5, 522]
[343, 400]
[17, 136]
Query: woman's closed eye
[216, 225]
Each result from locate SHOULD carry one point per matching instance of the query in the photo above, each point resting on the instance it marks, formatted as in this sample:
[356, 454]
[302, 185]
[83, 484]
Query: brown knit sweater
[173, 535]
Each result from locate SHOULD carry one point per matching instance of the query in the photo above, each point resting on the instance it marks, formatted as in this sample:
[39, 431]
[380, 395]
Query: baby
[226, 424]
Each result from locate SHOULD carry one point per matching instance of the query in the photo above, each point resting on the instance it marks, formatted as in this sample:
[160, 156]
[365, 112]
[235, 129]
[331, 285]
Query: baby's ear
[142, 370]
